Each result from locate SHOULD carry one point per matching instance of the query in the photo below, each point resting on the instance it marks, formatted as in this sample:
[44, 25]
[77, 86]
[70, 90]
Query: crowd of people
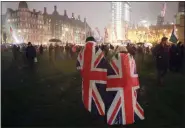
[167, 56]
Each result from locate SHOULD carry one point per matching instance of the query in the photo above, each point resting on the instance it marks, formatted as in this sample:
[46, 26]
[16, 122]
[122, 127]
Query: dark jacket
[30, 52]
[161, 54]
[41, 49]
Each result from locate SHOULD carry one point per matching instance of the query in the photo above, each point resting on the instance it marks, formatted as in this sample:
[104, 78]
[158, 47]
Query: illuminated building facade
[153, 33]
[24, 25]
[120, 20]
[181, 12]
[160, 20]
[71, 30]
[180, 19]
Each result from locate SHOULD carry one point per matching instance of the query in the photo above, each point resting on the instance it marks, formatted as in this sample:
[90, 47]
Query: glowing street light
[66, 29]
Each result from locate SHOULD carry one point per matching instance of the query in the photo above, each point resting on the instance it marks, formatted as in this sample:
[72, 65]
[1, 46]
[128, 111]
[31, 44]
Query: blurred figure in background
[161, 54]
[51, 52]
[180, 62]
[15, 52]
[30, 54]
[41, 49]
[174, 55]
[180, 48]
[67, 50]
[57, 52]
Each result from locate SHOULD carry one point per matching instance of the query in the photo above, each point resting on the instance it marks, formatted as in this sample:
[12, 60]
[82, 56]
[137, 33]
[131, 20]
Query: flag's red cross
[88, 75]
[127, 82]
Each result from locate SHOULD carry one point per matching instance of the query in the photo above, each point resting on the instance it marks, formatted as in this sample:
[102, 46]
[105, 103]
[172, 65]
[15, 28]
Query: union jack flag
[122, 84]
[91, 63]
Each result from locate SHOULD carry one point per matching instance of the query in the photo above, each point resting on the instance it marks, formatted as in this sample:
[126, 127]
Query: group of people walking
[26, 53]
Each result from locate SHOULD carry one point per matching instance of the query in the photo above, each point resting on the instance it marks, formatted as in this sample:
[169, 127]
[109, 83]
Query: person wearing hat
[161, 54]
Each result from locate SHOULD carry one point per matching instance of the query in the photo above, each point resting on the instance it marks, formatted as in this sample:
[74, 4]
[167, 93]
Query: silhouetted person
[180, 58]
[67, 49]
[41, 49]
[57, 51]
[15, 52]
[50, 52]
[30, 54]
[174, 55]
[161, 53]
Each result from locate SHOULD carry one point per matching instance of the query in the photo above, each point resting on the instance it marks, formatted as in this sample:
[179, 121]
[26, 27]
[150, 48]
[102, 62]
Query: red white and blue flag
[91, 63]
[122, 84]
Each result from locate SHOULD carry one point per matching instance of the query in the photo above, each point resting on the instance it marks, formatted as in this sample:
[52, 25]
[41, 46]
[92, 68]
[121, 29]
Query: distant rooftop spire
[23, 4]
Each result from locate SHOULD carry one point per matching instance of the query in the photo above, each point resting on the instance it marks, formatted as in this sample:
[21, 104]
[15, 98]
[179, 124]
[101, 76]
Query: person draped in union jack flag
[92, 65]
[122, 107]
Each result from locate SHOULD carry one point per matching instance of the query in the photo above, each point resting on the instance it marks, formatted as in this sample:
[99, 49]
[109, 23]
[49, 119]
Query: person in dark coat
[30, 54]
[173, 58]
[131, 49]
[67, 49]
[41, 49]
[161, 53]
[51, 52]
[15, 52]
[180, 52]
[57, 52]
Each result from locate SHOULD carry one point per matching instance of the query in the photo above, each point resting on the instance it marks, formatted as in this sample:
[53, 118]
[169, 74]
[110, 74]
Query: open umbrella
[140, 43]
[55, 40]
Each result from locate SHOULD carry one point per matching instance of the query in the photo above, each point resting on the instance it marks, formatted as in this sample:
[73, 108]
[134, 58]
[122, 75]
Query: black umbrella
[140, 43]
[55, 40]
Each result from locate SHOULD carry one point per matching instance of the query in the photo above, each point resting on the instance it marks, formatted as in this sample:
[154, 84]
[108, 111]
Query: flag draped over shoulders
[122, 107]
[109, 88]
[92, 65]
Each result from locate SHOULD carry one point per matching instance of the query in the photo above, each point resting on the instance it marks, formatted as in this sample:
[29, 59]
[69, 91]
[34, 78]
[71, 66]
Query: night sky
[98, 14]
